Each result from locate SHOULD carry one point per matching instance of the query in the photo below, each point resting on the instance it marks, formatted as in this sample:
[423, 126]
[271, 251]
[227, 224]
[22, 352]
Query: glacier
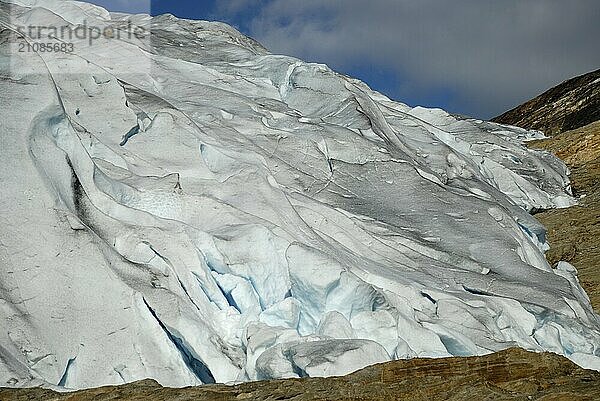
[193, 209]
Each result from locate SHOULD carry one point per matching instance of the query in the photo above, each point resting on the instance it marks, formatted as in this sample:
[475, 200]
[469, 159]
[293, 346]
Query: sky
[471, 57]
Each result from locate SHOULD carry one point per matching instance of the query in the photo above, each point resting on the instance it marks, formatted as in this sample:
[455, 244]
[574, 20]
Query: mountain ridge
[570, 105]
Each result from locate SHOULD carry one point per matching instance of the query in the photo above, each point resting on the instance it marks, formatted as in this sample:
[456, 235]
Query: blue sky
[471, 57]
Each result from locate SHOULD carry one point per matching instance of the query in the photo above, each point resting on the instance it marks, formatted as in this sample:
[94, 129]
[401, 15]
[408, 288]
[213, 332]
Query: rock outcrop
[570, 105]
[512, 374]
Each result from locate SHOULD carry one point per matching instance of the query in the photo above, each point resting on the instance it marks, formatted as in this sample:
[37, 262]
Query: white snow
[213, 212]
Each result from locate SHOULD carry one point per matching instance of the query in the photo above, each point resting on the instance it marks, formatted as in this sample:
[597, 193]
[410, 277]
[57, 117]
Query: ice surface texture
[231, 215]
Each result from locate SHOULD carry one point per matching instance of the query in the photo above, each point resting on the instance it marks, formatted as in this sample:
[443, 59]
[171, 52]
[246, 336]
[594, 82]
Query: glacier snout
[234, 215]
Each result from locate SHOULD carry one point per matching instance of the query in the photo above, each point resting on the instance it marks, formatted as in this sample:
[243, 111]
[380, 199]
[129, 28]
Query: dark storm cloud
[490, 55]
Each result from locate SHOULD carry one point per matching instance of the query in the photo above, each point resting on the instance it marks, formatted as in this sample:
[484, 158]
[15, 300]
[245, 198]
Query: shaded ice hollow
[229, 215]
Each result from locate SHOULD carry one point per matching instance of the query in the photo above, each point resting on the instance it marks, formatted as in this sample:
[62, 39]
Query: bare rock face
[512, 374]
[570, 105]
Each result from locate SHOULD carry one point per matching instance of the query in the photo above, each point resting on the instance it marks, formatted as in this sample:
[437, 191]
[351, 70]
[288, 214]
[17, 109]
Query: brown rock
[574, 233]
[512, 374]
[570, 105]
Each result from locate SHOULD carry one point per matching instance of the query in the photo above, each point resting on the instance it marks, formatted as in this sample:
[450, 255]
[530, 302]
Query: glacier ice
[214, 212]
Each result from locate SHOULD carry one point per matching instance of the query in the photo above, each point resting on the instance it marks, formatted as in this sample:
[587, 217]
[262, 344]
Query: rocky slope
[570, 105]
[574, 233]
[513, 374]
